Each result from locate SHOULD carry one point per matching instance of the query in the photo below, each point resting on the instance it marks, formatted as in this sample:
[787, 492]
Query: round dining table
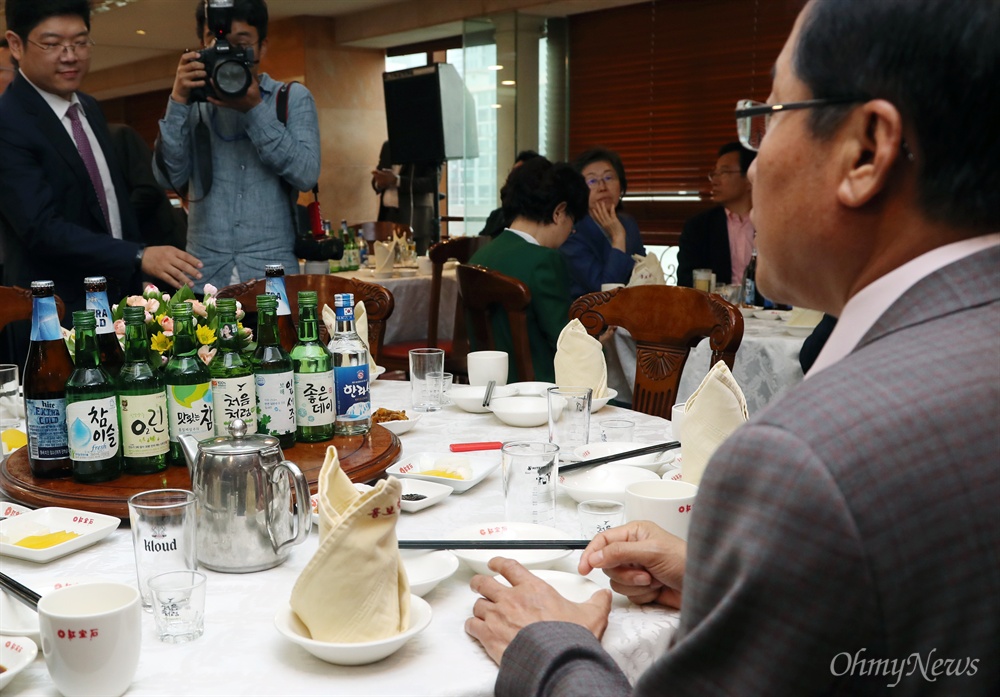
[241, 651]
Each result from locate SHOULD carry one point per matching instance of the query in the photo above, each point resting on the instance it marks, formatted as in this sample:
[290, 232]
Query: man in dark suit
[61, 189]
[845, 540]
[721, 238]
[406, 196]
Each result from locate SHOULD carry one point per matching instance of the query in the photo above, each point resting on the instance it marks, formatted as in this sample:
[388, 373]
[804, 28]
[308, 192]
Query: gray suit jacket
[847, 539]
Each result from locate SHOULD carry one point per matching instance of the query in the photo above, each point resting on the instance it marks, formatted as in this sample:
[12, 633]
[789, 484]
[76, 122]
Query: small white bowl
[751, 310]
[425, 571]
[598, 403]
[16, 653]
[652, 461]
[523, 412]
[431, 491]
[532, 389]
[470, 397]
[603, 482]
[402, 426]
[288, 623]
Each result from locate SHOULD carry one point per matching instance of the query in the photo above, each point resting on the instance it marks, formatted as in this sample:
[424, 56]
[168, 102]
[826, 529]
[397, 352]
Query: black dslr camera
[228, 66]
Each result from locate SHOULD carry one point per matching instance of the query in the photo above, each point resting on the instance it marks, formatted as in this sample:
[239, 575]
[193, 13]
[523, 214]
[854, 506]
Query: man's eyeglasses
[594, 182]
[79, 48]
[715, 174]
[753, 118]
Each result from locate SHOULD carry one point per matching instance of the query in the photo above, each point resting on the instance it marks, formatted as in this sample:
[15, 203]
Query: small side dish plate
[11, 510]
[478, 559]
[478, 468]
[425, 571]
[16, 653]
[55, 531]
[431, 491]
[402, 426]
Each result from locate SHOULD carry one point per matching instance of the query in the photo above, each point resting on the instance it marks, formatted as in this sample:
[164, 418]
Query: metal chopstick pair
[493, 544]
[19, 591]
[489, 392]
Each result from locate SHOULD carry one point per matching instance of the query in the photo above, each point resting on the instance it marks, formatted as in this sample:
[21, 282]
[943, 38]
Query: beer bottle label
[234, 398]
[98, 302]
[92, 425]
[45, 320]
[314, 404]
[276, 287]
[276, 402]
[189, 408]
[46, 423]
[353, 402]
[144, 424]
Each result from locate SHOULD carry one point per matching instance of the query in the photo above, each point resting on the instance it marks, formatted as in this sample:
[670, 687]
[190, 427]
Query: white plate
[412, 466]
[16, 618]
[531, 558]
[401, 427]
[573, 587]
[406, 273]
[90, 527]
[16, 653]
[532, 389]
[288, 623]
[434, 493]
[799, 331]
[598, 403]
[652, 461]
[425, 571]
[603, 482]
[314, 500]
[470, 397]
[10, 510]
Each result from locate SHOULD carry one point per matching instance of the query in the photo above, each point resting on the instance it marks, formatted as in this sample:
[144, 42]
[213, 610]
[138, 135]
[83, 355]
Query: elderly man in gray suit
[847, 539]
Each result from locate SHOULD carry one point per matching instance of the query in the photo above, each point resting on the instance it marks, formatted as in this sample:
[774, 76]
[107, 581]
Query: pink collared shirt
[741, 234]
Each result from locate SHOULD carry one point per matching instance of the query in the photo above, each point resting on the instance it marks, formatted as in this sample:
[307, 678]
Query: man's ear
[559, 211]
[14, 44]
[871, 145]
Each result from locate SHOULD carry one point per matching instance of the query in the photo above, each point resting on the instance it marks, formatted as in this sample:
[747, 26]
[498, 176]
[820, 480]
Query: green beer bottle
[189, 387]
[91, 409]
[314, 406]
[273, 376]
[233, 393]
[142, 402]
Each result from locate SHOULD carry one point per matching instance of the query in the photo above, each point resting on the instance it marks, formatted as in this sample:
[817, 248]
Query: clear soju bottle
[45, 374]
[189, 386]
[233, 393]
[142, 402]
[274, 284]
[313, 367]
[273, 376]
[112, 355]
[350, 372]
[92, 409]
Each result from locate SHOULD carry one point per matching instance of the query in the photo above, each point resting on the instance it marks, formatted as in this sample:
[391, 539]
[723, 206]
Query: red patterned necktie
[87, 153]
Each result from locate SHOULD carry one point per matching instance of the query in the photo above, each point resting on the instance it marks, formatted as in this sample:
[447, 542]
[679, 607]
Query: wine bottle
[273, 377]
[142, 402]
[233, 393]
[46, 371]
[112, 355]
[312, 365]
[274, 284]
[350, 372]
[189, 387]
[91, 409]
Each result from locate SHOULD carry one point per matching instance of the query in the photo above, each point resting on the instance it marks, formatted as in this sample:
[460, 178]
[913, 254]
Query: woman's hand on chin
[605, 216]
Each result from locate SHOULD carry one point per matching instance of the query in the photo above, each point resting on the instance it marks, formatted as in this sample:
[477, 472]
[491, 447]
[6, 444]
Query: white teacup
[91, 634]
[665, 502]
[487, 365]
[676, 416]
[425, 266]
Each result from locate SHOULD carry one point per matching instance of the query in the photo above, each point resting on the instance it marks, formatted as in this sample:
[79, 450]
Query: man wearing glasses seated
[845, 540]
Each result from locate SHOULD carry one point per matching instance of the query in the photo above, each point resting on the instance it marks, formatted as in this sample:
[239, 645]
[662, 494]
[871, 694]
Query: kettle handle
[303, 519]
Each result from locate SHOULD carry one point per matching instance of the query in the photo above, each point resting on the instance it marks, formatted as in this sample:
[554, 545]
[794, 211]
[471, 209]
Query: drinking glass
[163, 535]
[10, 402]
[178, 605]
[426, 375]
[530, 470]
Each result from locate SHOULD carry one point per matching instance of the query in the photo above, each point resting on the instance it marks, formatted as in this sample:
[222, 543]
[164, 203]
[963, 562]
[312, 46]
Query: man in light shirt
[844, 540]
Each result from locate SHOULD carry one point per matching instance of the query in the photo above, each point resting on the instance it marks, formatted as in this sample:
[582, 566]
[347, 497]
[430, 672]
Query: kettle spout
[189, 444]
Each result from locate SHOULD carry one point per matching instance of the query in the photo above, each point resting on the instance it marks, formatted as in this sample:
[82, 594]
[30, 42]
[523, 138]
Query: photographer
[241, 166]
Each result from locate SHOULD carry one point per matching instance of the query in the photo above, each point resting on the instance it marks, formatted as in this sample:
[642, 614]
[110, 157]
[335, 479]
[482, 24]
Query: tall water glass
[163, 535]
[569, 418]
[426, 374]
[530, 470]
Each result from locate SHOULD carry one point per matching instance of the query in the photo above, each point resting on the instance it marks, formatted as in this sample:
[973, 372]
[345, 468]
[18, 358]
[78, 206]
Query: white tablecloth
[412, 296]
[767, 363]
[241, 653]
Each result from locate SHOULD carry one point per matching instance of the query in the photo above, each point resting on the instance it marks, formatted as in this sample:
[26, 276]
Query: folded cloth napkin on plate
[385, 256]
[354, 589]
[647, 271]
[801, 317]
[360, 326]
[711, 414]
[579, 360]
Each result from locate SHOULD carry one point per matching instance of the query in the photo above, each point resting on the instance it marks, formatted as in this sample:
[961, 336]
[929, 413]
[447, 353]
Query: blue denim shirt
[245, 221]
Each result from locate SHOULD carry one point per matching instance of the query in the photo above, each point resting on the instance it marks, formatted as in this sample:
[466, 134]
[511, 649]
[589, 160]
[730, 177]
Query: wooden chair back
[15, 304]
[666, 323]
[378, 300]
[484, 292]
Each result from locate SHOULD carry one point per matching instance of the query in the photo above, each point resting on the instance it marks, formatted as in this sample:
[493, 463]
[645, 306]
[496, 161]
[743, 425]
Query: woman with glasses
[601, 248]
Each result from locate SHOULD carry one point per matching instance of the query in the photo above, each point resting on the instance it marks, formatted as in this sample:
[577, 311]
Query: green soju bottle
[142, 402]
[273, 376]
[189, 387]
[91, 409]
[233, 393]
[350, 372]
[314, 407]
[112, 355]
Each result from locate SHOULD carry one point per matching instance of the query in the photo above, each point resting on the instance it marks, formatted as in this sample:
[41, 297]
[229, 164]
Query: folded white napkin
[579, 360]
[712, 413]
[801, 317]
[647, 271]
[354, 589]
[360, 326]
[385, 256]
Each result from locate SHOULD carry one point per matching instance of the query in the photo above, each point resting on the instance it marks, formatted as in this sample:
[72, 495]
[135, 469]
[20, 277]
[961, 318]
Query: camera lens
[231, 78]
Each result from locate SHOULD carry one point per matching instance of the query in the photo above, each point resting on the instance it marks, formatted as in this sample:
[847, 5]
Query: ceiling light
[494, 106]
[140, 32]
[494, 67]
[509, 83]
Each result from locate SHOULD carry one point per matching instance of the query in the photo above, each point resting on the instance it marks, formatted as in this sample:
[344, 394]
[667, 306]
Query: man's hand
[175, 266]
[644, 562]
[242, 104]
[190, 74]
[604, 215]
[383, 179]
[502, 612]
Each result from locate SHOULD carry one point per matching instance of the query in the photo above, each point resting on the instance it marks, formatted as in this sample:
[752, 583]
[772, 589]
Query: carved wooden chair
[484, 292]
[666, 323]
[378, 300]
[15, 304]
[395, 356]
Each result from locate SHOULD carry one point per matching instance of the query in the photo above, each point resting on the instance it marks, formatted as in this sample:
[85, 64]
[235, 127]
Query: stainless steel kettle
[243, 487]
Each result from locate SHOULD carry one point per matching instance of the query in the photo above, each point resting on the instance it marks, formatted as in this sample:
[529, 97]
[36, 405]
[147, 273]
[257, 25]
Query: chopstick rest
[467, 447]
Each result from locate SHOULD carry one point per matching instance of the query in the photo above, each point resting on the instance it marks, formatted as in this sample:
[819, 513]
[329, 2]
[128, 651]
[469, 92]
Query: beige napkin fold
[647, 271]
[711, 414]
[579, 360]
[354, 589]
[801, 317]
[360, 326]
[385, 256]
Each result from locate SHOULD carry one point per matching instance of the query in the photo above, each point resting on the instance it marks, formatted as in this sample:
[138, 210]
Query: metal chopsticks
[489, 392]
[658, 447]
[493, 544]
[19, 591]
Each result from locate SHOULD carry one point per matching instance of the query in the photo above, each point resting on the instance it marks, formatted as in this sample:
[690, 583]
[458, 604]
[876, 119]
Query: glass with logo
[163, 535]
